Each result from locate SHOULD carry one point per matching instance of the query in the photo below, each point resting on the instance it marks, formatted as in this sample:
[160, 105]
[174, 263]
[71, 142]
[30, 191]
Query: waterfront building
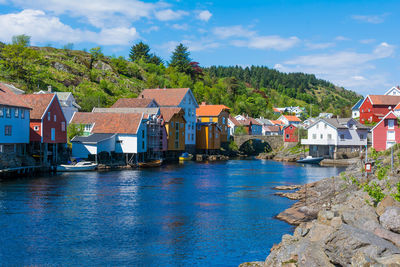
[175, 126]
[355, 110]
[289, 119]
[336, 138]
[215, 113]
[271, 130]
[178, 97]
[14, 122]
[290, 134]
[251, 125]
[208, 137]
[395, 90]
[67, 101]
[386, 133]
[122, 133]
[135, 103]
[48, 127]
[375, 107]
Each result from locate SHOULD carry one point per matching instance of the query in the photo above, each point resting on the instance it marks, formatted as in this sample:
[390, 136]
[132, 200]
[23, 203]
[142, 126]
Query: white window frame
[63, 126]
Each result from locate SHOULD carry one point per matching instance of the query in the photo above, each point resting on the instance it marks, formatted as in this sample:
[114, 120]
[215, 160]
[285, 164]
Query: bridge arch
[274, 141]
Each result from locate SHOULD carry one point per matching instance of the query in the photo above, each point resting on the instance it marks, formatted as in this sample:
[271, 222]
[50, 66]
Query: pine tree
[140, 51]
[180, 59]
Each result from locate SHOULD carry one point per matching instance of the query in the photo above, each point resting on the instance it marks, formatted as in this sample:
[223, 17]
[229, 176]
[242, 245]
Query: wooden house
[290, 134]
[386, 133]
[215, 113]
[174, 122]
[375, 107]
[208, 137]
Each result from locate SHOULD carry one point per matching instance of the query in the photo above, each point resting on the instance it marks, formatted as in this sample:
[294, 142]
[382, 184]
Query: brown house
[215, 113]
[208, 136]
[175, 126]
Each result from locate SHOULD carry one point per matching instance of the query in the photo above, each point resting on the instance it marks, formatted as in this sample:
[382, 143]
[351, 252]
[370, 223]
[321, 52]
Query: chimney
[203, 103]
[398, 87]
[49, 89]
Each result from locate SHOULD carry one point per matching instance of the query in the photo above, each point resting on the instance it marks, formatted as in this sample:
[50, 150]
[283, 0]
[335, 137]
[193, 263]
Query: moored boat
[185, 157]
[151, 164]
[310, 160]
[78, 167]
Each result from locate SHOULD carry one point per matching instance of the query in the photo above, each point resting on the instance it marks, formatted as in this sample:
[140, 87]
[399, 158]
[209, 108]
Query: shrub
[374, 191]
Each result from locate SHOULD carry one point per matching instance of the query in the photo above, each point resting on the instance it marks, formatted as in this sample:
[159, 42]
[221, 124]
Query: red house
[375, 107]
[47, 125]
[386, 133]
[290, 134]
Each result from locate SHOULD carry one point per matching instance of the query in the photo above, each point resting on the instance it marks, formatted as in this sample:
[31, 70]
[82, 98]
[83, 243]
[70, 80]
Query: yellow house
[175, 126]
[208, 136]
[215, 113]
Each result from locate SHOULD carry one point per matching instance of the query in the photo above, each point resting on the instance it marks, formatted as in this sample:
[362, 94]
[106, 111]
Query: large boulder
[343, 244]
[390, 219]
[387, 201]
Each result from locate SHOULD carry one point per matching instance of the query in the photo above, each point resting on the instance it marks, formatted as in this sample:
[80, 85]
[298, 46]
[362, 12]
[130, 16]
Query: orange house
[215, 113]
[208, 136]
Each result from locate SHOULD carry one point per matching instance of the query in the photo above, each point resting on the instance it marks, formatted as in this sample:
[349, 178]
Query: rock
[287, 187]
[390, 219]
[387, 201]
[347, 241]
[252, 264]
[336, 222]
[388, 235]
[390, 261]
[100, 65]
[324, 216]
[292, 196]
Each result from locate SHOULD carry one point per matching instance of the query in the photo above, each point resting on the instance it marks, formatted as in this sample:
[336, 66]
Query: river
[193, 214]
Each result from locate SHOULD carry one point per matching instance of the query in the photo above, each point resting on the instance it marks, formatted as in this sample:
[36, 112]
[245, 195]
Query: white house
[355, 110]
[178, 97]
[395, 90]
[127, 134]
[332, 138]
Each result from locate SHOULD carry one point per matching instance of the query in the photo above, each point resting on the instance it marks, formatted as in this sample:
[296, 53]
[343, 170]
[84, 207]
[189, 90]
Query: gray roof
[264, 121]
[93, 138]
[14, 89]
[341, 123]
[149, 111]
[62, 96]
[358, 104]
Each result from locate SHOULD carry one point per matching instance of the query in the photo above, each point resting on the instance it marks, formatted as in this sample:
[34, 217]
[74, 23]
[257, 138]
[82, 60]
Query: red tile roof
[397, 107]
[165, 97]
[389, 100]
[122, 123]
[132, 103]
[234, 121]
[276, 122]
[210, 110]
[168, 112]
[291, 118]
[38, 102]
[277, 110]
[9, 98]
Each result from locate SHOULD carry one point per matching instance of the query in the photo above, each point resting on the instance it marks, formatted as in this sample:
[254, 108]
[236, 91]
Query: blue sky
[354, 44]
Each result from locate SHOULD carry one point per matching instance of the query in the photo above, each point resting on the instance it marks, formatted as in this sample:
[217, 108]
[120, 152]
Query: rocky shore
[348, 220]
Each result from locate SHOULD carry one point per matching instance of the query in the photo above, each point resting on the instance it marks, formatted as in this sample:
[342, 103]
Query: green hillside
[99, 80]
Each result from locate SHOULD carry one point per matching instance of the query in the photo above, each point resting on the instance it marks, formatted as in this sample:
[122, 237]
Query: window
[188, 136]
[369, 110]
[329, 136]
[48, 116]
[361, 136]
[192, 125]
[210, 119]
[8, 112]
[119, 141]
[182, 124]
[322, 136]
[190, 112]
[223, 120]
[142, 133]
[88, 127]
[190, 101]
[1, 112]
[390, 135]
[172, 124]
[55, 117]
[317, 126]
[1, 149]
[287, 136]
[8, 130]
[142, 144]
[36, 128]
[63, 126]
[53, 134]
[22, 113]
[342, 137]
[314, 136]
[177, 126]
[192, 137]
[326, 125]
[16, 112]
[391, 124]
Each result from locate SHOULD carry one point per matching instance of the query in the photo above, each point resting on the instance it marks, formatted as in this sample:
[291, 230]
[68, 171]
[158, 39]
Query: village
[169, 124]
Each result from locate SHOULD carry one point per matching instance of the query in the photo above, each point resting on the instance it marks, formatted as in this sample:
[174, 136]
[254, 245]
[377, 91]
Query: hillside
[98, 80]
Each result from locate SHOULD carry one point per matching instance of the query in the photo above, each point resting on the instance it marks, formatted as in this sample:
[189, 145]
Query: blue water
[195, 214]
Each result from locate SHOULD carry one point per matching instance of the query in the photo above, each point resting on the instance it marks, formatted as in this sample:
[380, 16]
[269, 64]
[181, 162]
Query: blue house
[14, 122]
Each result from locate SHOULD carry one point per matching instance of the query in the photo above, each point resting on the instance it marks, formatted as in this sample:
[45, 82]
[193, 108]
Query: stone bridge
[275, 141]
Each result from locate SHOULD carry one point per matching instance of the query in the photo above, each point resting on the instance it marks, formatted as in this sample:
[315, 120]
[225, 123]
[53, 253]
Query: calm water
[217, 214]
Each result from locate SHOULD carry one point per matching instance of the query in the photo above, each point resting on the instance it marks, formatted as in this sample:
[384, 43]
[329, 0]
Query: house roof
[397, 107]
[93, 138]
[63, 96]
[210, 110]
[264, 121]
[234, 120]
[291, 118]
[389, 100]
[9, 98]
[276, 122]
[389, 115]
[168, 112]
[14, 89]
[341, 123]
[276, 110]
[394, 88]
[122, 123]
[358, 104]
[166, 97]
[148, 111]
[38, 102]
[133, 103]
[272, 128]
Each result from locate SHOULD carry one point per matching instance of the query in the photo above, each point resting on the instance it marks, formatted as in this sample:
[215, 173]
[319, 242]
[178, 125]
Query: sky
[354, 44]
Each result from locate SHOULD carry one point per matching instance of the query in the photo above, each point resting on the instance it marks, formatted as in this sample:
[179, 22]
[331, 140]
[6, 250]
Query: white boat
[78, 167]
[310, 160]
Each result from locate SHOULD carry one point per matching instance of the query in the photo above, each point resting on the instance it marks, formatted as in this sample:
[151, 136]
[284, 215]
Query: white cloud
[367, 41]
[152, 29]
[169, 14]
[342, 38]
[182, 27]
[374, 19]
[43, 28]
[204, 15]
[347, 68]
[315, 46]
[268, 42]
[232, 31]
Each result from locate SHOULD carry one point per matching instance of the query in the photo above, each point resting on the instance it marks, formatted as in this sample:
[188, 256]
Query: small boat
[185, 157]
[78, 167]
[151, 164]
[310, 160]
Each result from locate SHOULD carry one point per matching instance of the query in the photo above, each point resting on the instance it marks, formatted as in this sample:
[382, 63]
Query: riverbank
[343, 220]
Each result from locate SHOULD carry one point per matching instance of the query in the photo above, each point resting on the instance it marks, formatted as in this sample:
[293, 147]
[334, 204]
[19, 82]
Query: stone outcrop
[390, 219]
